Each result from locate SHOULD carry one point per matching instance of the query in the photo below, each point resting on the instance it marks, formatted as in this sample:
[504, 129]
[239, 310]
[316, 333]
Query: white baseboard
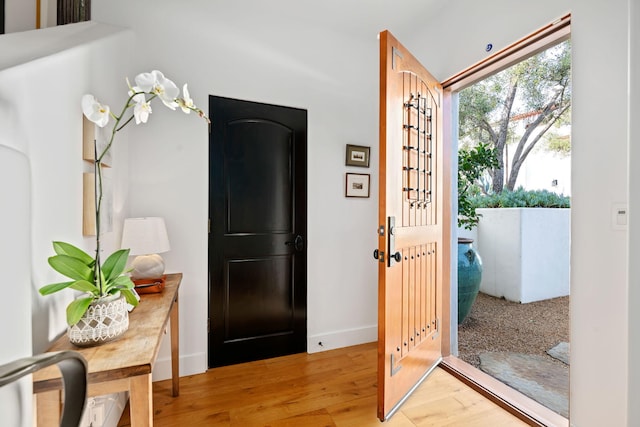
[339, 339]
[190, 364]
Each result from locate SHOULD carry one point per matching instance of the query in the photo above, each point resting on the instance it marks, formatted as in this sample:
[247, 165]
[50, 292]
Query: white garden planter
[525, 253]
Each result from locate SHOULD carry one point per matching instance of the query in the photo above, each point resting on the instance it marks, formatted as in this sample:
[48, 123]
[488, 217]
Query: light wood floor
[333, 388]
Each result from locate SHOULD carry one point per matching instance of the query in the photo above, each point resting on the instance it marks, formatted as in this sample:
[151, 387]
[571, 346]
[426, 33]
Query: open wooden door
[411, 225]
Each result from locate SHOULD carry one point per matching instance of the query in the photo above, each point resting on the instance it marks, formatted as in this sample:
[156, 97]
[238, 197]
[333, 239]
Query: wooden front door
[410, 234]
[257, 239]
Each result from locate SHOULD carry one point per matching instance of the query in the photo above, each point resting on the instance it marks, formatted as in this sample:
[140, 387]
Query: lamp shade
[144, 236]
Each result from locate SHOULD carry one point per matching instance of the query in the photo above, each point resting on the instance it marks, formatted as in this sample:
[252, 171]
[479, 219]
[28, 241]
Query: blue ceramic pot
[469, 276]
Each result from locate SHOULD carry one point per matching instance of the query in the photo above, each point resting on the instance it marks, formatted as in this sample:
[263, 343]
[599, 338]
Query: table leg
[175, 349]
[48, 408]
[141, 401]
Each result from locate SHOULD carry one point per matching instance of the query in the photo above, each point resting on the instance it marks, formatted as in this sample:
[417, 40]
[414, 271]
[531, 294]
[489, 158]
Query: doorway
[257, 233]
[551, 35]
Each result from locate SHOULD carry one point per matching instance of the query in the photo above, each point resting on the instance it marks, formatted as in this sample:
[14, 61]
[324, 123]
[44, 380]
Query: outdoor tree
[518, 106]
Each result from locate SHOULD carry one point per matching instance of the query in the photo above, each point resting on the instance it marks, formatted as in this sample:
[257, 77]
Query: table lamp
[146, 237]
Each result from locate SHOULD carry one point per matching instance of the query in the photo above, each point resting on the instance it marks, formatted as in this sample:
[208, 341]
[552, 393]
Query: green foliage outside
[521, 198]
[517, 107]
[472, 163]
[559, 144]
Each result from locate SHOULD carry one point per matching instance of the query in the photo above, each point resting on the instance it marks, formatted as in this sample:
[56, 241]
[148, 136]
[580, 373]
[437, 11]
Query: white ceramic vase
[106, 319]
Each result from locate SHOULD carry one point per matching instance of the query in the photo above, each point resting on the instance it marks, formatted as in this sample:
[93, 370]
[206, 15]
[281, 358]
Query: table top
[134, 353]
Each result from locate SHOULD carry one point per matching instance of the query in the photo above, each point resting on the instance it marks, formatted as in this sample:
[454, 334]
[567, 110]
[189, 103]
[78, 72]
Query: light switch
[619, 214]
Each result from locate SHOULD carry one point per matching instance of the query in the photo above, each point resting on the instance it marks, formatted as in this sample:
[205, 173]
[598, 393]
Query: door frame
[509, 399]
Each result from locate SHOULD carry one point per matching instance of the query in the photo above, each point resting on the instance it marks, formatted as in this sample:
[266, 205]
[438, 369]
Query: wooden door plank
[412, 175]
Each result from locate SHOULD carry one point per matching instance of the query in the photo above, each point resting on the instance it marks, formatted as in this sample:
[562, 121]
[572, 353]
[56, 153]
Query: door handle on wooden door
[298, 243]
[394, 257]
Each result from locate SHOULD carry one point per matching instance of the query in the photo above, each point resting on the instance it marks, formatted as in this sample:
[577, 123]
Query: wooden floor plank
[332, 388]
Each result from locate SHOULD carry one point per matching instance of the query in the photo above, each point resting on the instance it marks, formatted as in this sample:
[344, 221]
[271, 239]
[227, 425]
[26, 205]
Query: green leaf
[63, 248]
[129, 296]
[71, 267]
[54, 287]
[115, 264]
[77, 308]
[85, 286]
[122, 282]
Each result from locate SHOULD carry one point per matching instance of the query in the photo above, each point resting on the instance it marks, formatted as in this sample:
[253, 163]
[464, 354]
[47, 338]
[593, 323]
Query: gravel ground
[495, 324]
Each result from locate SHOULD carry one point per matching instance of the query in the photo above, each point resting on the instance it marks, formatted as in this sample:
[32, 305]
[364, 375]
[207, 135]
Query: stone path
[535, 376]
[560, 352]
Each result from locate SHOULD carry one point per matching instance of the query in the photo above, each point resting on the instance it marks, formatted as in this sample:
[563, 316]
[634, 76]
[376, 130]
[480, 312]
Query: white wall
[15, 333]
[599, 282]
[19, 15]
[323, 57]
[543, 168]
[41, 120]
[285, 54]
[281, 53]
[634, 211]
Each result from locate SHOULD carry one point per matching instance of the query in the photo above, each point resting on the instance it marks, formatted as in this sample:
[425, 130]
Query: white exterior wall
[525, 253]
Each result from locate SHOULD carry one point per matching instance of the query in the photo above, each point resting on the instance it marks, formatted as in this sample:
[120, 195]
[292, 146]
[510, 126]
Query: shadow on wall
[15, 307]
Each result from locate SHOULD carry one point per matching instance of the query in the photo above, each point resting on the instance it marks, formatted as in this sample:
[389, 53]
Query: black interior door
[257, 239]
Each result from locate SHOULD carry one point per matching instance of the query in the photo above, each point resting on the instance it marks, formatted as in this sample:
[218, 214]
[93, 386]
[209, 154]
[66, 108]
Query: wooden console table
[122, 365]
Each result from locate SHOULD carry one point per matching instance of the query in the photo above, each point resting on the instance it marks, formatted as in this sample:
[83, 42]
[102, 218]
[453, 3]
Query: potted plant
[101, 314]
[472, 163]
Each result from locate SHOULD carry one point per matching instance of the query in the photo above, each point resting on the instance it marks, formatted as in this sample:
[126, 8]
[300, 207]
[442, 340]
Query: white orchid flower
[142, 109]
[186, 103]
[155, 82]
[94, 111]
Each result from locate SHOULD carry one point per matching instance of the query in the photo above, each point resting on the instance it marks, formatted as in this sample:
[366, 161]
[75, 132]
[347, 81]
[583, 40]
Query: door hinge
[208, 225]
[208, 324]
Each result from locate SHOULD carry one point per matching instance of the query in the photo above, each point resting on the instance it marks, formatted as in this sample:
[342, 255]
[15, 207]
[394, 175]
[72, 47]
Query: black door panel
[257, 248]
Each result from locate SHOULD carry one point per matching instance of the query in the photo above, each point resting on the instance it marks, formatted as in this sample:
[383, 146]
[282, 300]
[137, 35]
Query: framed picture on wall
[357, 185]
[357, 155]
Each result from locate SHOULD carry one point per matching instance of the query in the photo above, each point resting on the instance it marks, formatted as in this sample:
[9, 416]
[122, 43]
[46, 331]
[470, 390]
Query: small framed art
[357, 185]
[357, 155]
